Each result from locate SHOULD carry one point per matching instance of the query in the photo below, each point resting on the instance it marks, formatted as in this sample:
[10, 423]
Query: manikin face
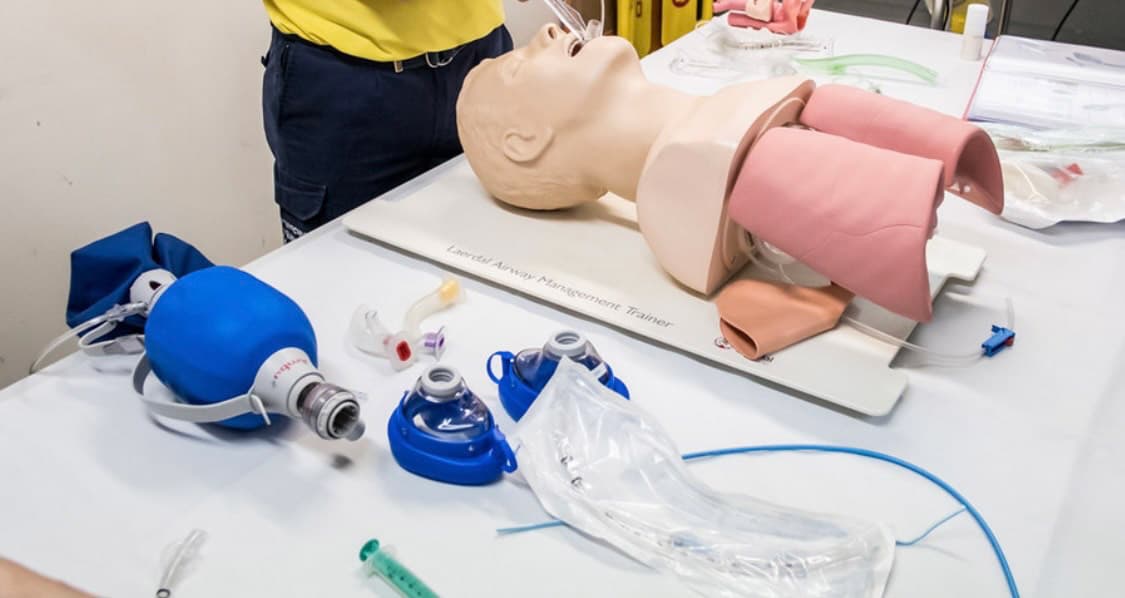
[529, 119]
[568, 79]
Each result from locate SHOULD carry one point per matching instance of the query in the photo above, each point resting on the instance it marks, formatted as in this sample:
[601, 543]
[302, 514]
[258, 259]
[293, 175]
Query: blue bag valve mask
[234, 350]
[230, 347]
[443, 431]
[524, 374]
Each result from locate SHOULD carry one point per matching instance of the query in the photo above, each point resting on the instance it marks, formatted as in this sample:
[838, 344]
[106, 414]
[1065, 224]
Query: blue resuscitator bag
[231, 348]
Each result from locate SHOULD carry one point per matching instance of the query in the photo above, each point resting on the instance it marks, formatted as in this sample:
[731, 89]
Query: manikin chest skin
[689, 173]
[712, 142]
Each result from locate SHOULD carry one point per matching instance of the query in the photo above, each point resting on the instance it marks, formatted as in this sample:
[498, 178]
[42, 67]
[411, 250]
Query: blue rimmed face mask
[443, 431]
[524, 375]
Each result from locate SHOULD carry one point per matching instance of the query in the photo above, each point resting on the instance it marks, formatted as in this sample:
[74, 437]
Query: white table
[91, 490]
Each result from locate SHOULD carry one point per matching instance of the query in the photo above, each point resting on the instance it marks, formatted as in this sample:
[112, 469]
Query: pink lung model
[855, 199]
[786, 17]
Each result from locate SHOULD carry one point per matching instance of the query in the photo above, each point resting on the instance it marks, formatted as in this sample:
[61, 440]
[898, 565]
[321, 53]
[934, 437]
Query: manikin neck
[639, 112]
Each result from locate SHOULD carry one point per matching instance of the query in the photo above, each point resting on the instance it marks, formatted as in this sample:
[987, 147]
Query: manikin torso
[850, 190]
[699, 157]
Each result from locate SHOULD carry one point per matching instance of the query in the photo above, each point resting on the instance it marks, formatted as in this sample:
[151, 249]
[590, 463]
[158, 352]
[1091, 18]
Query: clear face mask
[603, 466]
[523, 375]
[443, 431]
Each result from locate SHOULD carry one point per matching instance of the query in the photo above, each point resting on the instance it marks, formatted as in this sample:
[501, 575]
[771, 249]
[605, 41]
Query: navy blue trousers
[344, 130]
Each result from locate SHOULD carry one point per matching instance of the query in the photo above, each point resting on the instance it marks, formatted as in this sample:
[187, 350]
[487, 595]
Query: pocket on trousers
[302, 199]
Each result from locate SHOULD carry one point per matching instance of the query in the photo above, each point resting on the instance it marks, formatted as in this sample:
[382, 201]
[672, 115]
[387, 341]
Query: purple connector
[434, 342]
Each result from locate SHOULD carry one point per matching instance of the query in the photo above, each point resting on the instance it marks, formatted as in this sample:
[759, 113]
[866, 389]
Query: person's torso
[386, 30]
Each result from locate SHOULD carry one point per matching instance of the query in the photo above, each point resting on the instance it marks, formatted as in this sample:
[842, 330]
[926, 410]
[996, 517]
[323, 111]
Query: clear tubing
[99, 326]
[573, 21]
[1077, 139]
[993, 541]
[186, 551]
[937, 358]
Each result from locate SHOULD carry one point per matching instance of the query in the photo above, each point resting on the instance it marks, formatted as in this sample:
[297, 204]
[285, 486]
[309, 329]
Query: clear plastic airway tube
[938, 358]
[185, 552]
[447, 294]
[573, 21]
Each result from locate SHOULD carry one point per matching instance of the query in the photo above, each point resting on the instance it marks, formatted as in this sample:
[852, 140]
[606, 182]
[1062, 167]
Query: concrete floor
[1093, 22]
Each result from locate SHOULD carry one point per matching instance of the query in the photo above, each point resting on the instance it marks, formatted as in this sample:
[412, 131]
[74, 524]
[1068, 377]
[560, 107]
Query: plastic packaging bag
[602, 465]
[728, 53]
[1057, 175]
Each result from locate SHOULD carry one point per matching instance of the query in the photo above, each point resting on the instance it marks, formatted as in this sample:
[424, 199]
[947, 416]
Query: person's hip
[497, 38]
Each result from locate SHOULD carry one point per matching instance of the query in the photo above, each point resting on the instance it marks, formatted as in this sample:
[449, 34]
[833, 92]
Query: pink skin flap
[971, 166]
[858, 214]
[759, 317]
[786, 17]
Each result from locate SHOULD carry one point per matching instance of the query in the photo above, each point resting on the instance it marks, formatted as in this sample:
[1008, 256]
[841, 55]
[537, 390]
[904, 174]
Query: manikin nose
[548, 34]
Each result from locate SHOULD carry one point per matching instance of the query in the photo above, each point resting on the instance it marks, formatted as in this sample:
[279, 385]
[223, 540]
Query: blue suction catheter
[523, 375]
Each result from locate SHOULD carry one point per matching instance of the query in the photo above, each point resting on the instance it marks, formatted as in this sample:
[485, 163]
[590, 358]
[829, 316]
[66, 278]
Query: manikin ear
[527, 145]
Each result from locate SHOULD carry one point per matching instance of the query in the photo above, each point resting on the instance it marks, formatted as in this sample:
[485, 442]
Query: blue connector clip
[1001, 339]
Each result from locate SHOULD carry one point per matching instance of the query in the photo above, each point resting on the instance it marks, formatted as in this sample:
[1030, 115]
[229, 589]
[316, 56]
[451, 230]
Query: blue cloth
[102, 272]
[344, 130]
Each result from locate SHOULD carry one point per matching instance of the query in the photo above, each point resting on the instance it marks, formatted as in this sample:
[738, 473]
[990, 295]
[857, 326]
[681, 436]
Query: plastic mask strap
[213, 412]
[96, 328]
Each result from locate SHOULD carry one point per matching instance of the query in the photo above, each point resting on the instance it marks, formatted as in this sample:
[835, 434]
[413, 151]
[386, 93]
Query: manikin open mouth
[574, 46]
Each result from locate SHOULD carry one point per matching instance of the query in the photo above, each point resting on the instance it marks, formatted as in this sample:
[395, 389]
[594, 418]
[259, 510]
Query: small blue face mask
[524, 374]
[443, 431]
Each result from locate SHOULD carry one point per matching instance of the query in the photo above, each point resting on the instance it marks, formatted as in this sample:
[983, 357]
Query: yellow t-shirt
[387, 30]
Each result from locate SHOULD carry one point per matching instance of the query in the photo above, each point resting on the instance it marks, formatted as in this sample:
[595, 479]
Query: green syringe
[380, 563]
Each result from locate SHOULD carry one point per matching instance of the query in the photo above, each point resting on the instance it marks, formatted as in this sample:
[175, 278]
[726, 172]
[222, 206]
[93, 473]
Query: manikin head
[556, 123]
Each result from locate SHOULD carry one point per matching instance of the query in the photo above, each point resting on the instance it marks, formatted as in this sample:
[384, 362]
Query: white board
[593, 260]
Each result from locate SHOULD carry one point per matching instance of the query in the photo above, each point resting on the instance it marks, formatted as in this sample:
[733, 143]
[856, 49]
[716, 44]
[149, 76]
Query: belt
[433, 60]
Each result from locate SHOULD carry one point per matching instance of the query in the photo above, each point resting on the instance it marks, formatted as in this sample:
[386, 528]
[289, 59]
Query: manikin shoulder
[719, 129]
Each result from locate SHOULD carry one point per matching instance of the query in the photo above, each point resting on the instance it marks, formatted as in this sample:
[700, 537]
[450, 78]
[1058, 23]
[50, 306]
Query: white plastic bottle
[972, 40]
